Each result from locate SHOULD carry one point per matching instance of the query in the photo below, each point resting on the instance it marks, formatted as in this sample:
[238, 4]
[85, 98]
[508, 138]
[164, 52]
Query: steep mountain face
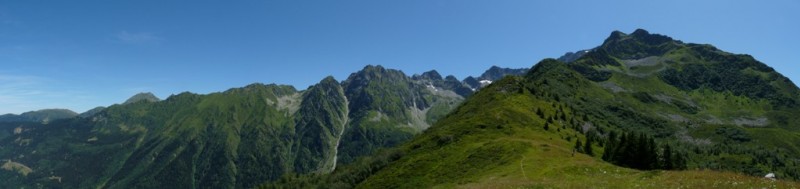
[469, 85]
[572, 56]
[42, 116]
[472, 82]
[148, 97]
[433, 80]
[452, 83]
[492, 74]
[232, 139]
[322, 119]
[432, 75]
[496, 73]
[387, 108]
[554, 126]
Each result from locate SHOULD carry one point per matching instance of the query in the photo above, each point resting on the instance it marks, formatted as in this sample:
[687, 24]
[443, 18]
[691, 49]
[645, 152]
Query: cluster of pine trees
[640, 151]
[586, 147]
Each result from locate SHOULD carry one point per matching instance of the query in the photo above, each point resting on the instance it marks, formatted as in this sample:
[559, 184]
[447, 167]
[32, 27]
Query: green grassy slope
[187, 140]
[323, 115]
[727, 115]
[497, 139]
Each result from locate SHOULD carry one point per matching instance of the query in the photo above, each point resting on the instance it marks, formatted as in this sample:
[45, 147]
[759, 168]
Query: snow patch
[432, 87]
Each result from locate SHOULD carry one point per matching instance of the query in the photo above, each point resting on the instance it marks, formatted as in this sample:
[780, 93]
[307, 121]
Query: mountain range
[237, 138]
[640, 110]
[45, 115]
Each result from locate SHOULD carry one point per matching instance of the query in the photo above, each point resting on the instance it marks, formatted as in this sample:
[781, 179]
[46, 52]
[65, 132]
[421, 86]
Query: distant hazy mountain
[496, 73]
[41, 116]
[469, 85]
[147, 97]
[492, 74]
[433, 80]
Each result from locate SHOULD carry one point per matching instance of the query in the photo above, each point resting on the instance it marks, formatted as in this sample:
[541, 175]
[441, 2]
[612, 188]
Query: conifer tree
[667, 158]
[587, 147]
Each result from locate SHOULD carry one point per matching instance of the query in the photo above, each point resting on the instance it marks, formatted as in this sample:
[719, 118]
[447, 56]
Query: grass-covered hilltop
[641, 110]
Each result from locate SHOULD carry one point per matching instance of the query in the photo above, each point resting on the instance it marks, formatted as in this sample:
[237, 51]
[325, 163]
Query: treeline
[640, 151]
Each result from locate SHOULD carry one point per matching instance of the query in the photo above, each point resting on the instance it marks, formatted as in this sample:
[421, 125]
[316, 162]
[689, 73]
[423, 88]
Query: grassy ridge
[455, 153]
[521, 132]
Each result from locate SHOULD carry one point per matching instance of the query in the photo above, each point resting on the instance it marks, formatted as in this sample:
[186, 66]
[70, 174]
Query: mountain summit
[145, 96]
[685, 66]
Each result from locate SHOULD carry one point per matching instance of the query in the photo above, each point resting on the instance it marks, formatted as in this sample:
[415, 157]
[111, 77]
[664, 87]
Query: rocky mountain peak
[429, 75]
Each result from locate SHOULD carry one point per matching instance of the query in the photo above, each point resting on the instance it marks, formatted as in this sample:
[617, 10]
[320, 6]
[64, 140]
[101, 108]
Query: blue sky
[82, 54]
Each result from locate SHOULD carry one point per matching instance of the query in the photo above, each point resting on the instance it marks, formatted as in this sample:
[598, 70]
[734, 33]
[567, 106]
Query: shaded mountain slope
[231, 139]
[387, 108]
[43, 116]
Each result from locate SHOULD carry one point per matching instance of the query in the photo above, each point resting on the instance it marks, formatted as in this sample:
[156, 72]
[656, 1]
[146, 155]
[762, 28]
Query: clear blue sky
[82, 54]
